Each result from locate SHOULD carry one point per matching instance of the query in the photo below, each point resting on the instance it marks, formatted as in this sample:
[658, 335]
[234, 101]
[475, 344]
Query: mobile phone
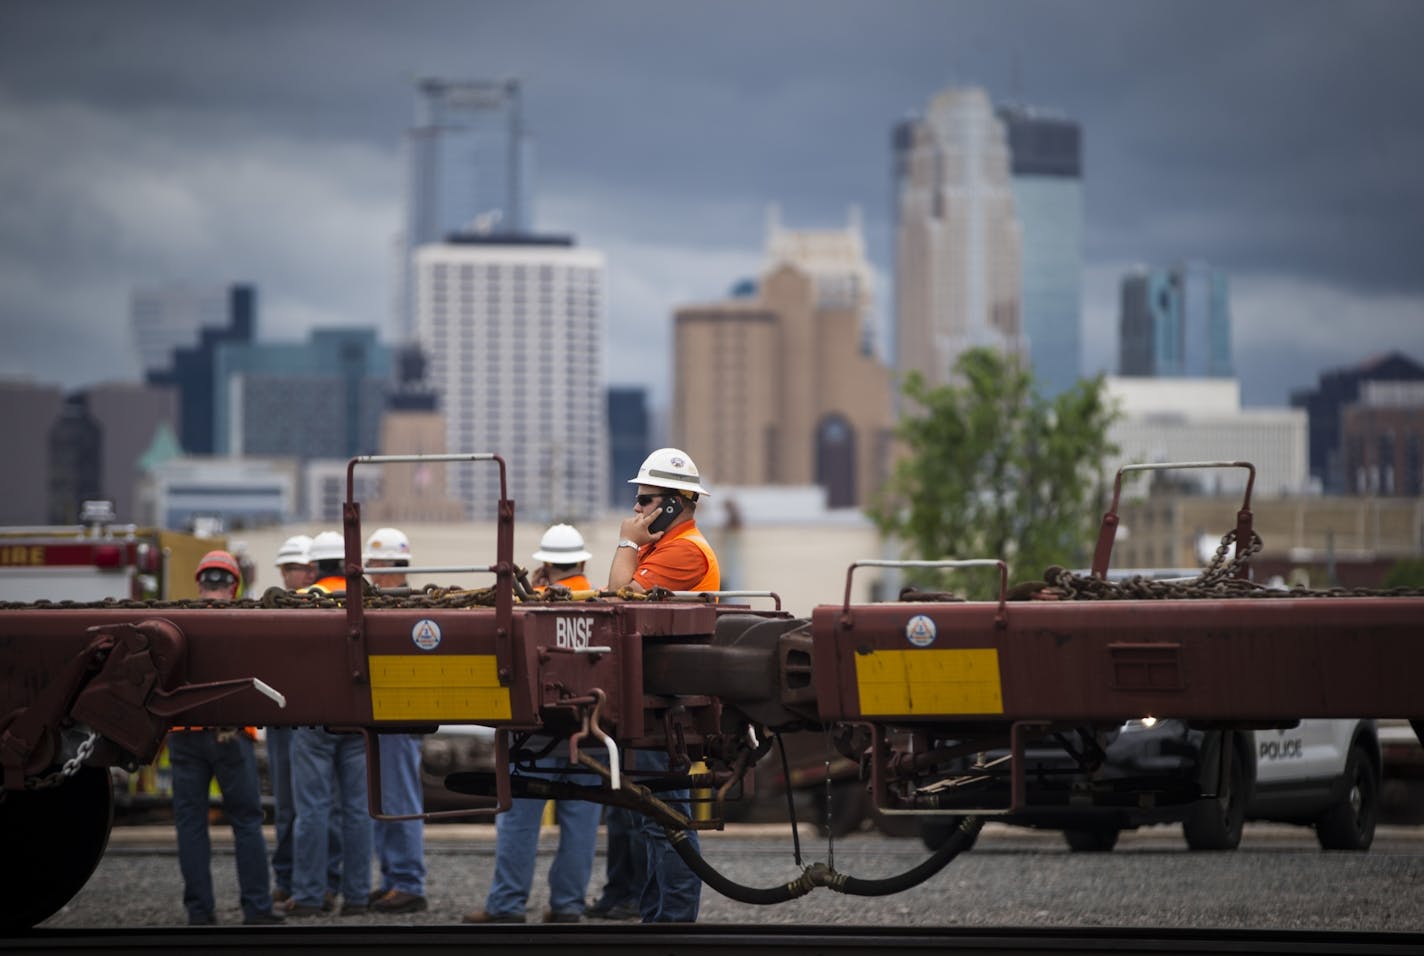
[667, 514]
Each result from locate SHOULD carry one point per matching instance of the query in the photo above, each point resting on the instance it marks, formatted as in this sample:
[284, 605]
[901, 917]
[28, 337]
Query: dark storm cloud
[1280, 141]
[1286, 140]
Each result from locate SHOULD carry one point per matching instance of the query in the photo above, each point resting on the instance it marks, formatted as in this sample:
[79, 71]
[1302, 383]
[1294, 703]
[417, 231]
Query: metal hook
[590, 727]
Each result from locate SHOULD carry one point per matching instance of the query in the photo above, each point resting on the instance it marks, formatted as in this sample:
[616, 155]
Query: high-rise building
[1382, 440]
[779, 387]
[1175, 322]
[1325, 405]
[27, 411]
[130, 415]
[193, 375]
[171, 316]
[318, 399]
[84, 445]
[513, 331]
[957, 242]
[469, 170]
[629, 440]
[1046, 158]
[76, 445]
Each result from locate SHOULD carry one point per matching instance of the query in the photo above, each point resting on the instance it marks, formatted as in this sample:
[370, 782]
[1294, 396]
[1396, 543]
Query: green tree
[994, 470]
[1406, 573]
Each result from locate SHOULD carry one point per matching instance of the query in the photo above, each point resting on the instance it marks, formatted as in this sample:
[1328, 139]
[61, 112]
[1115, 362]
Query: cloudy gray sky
[261, 141]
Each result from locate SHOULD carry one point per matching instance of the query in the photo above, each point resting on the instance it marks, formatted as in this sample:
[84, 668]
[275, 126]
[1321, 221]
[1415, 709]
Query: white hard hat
[327, 545]
[295, 550]
[387, 543]
[561, 544]
[670, 468]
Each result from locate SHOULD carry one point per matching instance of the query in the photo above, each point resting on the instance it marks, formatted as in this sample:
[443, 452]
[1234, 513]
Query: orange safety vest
[711, 579]
[576, 582]
[249, 731]
[328, 584]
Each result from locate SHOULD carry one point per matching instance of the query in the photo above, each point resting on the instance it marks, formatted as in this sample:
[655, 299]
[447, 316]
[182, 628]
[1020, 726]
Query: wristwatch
[625, 543]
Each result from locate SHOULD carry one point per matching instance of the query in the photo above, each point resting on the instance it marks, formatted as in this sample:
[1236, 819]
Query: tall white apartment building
[957, 239]
[512, 328]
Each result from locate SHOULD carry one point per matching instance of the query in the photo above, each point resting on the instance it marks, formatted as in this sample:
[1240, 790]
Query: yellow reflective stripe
[925, 682]
[451, 688]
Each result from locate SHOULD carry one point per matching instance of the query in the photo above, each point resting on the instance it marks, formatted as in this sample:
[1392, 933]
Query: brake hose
[819, 874]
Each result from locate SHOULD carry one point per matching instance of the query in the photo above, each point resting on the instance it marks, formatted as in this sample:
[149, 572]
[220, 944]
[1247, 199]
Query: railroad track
[595, 940]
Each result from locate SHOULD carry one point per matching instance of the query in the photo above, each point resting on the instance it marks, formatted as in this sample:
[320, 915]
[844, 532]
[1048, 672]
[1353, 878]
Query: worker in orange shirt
[328, 559]
[562, 558]
[516, 844]
[200, 754]
[660, 546]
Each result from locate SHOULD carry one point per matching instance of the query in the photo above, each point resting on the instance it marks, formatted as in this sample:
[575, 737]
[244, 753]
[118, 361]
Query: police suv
[1325, 774]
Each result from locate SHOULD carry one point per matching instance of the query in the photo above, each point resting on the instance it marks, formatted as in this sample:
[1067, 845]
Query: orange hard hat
[221, 560]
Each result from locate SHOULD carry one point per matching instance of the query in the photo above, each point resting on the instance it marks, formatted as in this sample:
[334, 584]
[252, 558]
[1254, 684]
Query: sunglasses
[216, 579]
[645, 500]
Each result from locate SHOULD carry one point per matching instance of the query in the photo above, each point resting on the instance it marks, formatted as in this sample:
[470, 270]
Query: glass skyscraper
[1046, 159]
[469, 170]
[1175, 323]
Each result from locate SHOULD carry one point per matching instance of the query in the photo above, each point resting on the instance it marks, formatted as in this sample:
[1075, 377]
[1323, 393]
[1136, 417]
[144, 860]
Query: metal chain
[1219, 579]
[274, 598]
[69, 768]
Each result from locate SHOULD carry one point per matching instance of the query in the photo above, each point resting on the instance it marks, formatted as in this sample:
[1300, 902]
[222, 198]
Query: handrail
[1102, 554]
[732, 594]
[504, 568]
[1000, 620]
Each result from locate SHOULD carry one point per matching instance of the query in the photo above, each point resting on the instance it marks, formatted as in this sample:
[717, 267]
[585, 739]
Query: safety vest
[576, 582]
[712, 579]
[249, 732]
[328, 584]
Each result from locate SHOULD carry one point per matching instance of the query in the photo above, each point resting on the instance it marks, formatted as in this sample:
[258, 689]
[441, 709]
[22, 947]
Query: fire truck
[99, 559]
[102, 560]
[905, 688]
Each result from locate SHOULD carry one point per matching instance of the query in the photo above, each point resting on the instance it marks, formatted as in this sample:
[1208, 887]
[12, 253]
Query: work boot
[481, 916]
[399, 901]
[551, 917]
[268, 918]
[616, 911]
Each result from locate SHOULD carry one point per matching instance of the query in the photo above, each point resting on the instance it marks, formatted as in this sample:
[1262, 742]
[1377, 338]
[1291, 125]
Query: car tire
[1216, 822]
[1350, 824]
[936, 831]
[1091, 840]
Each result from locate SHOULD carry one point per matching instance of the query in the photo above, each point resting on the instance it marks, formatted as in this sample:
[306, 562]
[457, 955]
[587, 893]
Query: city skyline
[154, 142]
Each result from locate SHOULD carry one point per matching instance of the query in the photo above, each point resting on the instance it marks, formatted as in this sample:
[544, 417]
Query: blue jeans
[197, 756]
[400, 844]
[279, 766]
[516, 846]
[626, 872]
[673, 892]
[329, 774]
